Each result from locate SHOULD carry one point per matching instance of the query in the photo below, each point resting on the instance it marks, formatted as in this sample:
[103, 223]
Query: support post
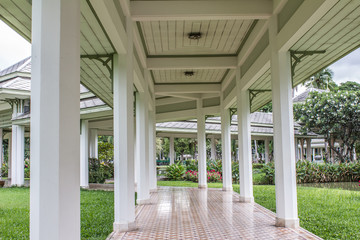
[172, 150]
[308, 149]
[226, 149]
[9, 157]
[93, 143]
[84, 154]
[152, 151]
[213, 148]
[201, 138]
[284, 151]
[296, 149]
[142, 143]
[124, 184]
[267, 144]
[244, 142]
[55, 118]
[1, 151]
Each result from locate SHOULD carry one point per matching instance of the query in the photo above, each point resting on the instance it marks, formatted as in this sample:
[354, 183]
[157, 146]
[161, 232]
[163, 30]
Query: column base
[142, 201]
[227, 189]
[246, 199]
[85, 187]
[154, 190]
[124, 227]
[288, 223]
[202, 186]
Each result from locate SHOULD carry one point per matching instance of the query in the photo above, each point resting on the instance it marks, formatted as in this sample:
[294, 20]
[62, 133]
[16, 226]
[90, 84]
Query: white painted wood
[213, 148]
[226, 149]
[200, 10]
[308, 149]
[187, 88]
[185, 114]
[267, 143]
[152, 152]
[18, 150]
[244, 142]
[201, 143]
[124, 183]
[84, 154]
[93, 143]
[142, 143]
[9, 156]
[55, 118]
[169, 100]
[284, 151]
[14, 159]
[172, 150]
[192, 63]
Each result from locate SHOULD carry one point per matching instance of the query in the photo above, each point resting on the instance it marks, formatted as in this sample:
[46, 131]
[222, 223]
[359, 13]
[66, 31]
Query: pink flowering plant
[212, 176]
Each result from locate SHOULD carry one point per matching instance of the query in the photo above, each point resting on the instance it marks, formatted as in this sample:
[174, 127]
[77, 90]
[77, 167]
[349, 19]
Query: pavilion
[183, 60]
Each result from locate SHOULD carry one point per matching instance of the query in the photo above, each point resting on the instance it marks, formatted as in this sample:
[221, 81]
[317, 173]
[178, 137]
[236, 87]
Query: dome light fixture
[189, 74]
[194, 35]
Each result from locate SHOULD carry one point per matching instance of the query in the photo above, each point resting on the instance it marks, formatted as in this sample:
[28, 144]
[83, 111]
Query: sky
[14, 48]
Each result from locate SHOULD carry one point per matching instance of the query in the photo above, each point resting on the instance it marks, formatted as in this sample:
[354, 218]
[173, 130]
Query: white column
[201, 138]
[142, 143]
[256, 152]
[267, 143]
[55, 118]
[226, 149]
[9, 156]
[301, 148]
[124, 190]
[308, 149]
[84, 154]
[172, 150]
[152, 151]
[296, 149]
[284, 151]
[213, 148]
[1, 151]
[244, 142]
[20, 151]
[14, 151]
[93, 143]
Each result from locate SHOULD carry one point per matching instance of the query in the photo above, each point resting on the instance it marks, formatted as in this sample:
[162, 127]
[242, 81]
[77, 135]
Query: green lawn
[328, 213]
[97, 213]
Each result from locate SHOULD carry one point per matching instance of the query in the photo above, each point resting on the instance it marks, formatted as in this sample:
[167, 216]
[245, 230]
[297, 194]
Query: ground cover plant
[97, 214]
[328, 213]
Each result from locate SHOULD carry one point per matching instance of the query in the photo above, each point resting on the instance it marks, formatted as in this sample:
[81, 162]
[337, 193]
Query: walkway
[191, 213]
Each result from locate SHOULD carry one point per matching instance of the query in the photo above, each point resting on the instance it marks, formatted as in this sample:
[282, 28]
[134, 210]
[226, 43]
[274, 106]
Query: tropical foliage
[322, 80]
[334, 115]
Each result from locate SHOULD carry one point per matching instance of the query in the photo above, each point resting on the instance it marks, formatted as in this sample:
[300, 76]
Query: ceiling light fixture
[189, 73]
[194, 35]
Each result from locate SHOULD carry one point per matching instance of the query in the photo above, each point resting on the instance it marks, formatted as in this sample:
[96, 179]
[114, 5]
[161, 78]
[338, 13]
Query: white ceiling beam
[187, 88]
[278, 5]
[229, 77]
[110, 19]
[139, 81]
[256, 34]
[169, 100]
[186, 114]
[190, 96]
[191, 62]
[200, 10]
[305, 17]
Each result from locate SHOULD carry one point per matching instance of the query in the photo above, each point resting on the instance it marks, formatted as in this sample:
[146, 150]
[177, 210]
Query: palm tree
[322, 80]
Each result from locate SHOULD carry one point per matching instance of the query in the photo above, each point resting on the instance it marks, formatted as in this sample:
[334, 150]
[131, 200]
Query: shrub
[269, 171]
[213, 176]
[257, 165]
[175, 171]
[4, 169]
[27, 168]
[99, 171]
[235, 171]
[191, 176]
[191, 165]
[214, 165]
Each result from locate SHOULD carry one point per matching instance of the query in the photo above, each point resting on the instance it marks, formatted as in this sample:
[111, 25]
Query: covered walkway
[191, 213]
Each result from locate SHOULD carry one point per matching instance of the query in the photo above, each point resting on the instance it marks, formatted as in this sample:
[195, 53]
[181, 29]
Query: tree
[322, 80]
[334, 115]
[266, 108]
[348, 86]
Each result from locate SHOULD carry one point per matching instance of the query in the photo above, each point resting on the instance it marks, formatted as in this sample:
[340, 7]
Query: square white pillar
[55, 118]
[84, 154]
[267, 152]
[244, 142]
[152, 151]
[201, 138]
[1, 151]
[124, 183]
[14, 159]
[20, 155]
[172, 150]
[284, 150]
[308, 149]
[213, 148]
[142, 144]
[93, 143]
[226, 149]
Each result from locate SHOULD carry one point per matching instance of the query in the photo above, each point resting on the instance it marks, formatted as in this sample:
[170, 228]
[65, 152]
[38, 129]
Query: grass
[97, 214]
[328, 213]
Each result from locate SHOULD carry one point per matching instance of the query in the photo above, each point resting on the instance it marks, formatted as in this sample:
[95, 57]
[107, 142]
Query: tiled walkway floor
[190, 213]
